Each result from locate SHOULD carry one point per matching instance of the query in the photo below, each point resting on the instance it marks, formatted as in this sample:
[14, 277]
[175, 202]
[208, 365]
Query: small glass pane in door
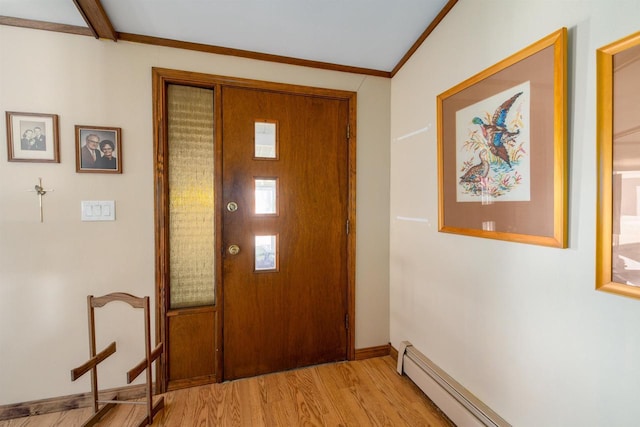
[265, 253]
[265, 195]
[265, 140]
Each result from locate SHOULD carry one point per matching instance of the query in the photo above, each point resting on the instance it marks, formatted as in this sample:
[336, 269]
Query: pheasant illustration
[476, 172]
[496, 132]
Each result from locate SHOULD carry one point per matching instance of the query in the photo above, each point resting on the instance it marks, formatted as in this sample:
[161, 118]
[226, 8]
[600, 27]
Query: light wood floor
[359, 393]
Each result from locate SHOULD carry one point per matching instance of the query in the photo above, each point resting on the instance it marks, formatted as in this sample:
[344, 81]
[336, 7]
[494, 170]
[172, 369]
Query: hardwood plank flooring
[359, 393]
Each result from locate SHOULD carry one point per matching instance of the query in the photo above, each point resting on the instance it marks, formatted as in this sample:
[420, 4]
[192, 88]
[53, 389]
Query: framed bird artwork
[502, 149]
[618, 149]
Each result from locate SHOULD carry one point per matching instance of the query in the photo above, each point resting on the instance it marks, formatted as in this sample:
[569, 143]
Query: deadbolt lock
[232, 206]
[234, 249]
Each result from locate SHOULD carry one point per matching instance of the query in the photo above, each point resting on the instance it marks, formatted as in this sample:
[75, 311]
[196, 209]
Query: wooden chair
[132, 374]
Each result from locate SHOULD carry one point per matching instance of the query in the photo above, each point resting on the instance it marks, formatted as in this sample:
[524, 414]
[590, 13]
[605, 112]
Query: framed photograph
[98, 149]
[502, 149]
[618, 148]
[32, 137]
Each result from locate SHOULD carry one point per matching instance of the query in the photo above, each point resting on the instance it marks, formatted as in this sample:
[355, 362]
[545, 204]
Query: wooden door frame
[161, 78]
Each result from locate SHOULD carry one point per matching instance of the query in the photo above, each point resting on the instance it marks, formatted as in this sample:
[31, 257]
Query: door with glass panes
[254, 189]
[285, 210]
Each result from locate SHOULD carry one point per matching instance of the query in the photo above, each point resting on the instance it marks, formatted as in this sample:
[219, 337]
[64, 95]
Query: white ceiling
[372, 34]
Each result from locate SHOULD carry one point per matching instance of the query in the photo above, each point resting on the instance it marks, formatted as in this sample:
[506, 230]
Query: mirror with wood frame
[618, 145]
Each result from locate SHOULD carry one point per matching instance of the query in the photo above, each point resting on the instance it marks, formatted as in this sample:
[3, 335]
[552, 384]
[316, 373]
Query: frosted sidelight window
[266, 253]
[191, 201]
[266, 140]
[265, 195]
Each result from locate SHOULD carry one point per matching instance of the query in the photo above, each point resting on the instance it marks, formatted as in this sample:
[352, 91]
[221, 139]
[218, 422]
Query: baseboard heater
[458, 403]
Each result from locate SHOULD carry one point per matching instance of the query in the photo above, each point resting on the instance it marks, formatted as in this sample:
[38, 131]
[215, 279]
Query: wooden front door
[285, 298]
[285, 200]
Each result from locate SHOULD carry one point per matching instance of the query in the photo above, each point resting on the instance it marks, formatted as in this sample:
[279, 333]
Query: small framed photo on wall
[32, 137]
[98, 149]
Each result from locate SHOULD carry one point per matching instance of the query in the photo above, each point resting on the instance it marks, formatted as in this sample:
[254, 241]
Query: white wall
[519, 325]
[48, 269]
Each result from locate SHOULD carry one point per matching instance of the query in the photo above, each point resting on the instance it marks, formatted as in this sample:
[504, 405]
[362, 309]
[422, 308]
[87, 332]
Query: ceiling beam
[96, 18]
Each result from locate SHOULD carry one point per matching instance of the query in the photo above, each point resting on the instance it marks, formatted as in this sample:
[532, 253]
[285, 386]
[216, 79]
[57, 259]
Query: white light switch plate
[101, 210]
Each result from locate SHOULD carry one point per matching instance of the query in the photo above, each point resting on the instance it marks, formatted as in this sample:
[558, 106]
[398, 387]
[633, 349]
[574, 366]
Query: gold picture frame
[502, 149]
[618, 152]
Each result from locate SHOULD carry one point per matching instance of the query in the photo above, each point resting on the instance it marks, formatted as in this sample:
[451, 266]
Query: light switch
[101, 210]
[108, 210]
